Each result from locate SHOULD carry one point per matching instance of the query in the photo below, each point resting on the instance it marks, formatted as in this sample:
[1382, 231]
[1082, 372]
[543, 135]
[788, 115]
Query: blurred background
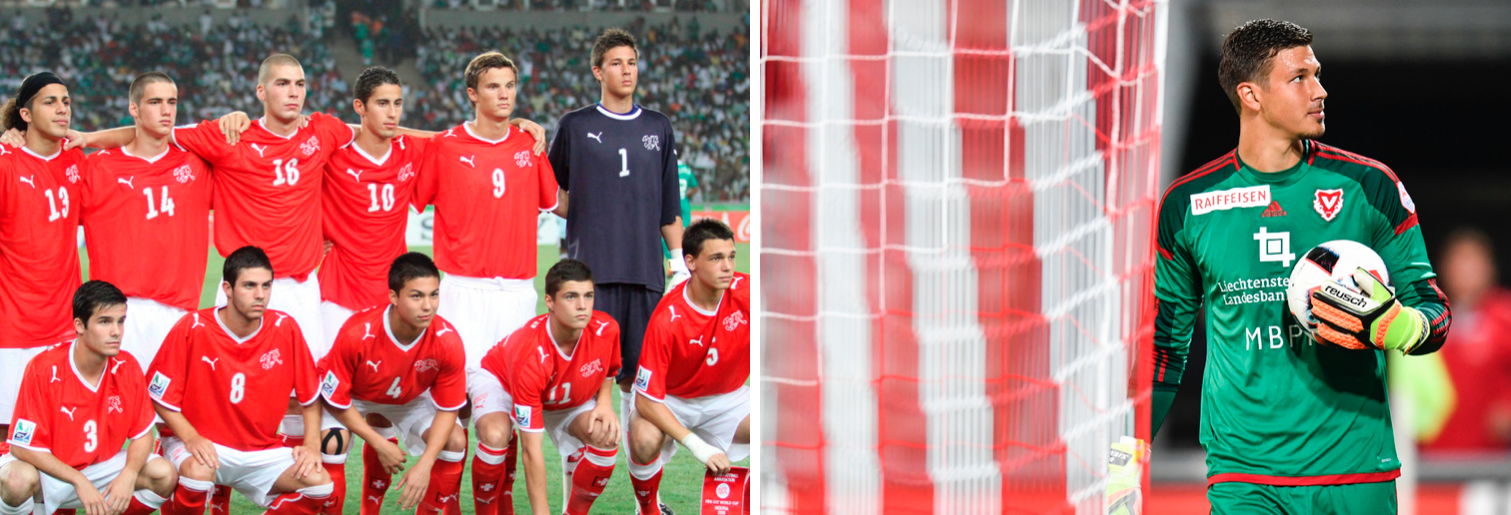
[1420, 87]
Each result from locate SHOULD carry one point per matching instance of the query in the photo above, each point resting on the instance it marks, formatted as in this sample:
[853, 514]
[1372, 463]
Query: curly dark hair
[1249, 51]
[370, 79]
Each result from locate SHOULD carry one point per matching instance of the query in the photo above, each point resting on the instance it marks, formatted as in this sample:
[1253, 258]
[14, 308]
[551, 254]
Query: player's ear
[78, 326]
[1248, 95]
[598, 73]
[357, 106]
[133, 110]
[393, 297]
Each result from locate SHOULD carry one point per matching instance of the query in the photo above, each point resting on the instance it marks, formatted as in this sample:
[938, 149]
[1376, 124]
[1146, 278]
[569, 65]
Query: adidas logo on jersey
[1273, 210]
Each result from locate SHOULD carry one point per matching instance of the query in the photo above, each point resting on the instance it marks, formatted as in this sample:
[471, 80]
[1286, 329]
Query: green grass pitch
[681, 482]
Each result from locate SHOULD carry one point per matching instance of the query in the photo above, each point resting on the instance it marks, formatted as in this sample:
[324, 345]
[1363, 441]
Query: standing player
[406, 365]
[616, 161]
[1225, 239]
[40, 187]
[488, 190]
[149, 195]
[533, 375]
[690, 387]
[208, 381]
[79, 405]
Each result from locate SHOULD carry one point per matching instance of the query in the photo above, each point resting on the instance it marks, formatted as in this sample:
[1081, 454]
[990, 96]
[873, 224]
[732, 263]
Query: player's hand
[1367, 317]
[118, 492]
[718, 463]
[304, 121]
[537, 132]
[328, 245]
[306, 460]
[13, 138]
[233, 124]
[678, 266]
[94, 503]
[413, 485]
[603, 427]
[203, 451]
[390, 455]
[75, 139]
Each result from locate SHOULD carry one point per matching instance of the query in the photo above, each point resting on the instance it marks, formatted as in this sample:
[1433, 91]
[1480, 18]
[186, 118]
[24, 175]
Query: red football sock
[487, 477]
[220, 500]
[189, 497]
[646, 488]
[137, 507]
[336, 467]
[588, 481]
[511, 459]
[297, 503]
[445, 482]
[454, 506]
[375, 480]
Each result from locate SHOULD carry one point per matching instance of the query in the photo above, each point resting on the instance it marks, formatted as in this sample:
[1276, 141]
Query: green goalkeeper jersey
[1278, 408]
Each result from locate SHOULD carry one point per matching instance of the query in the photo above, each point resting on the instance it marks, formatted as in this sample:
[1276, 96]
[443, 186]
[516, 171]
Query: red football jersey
[691, 353]
[368, 363]
[39, 250]
[146, 222]
[58, 413]
[267, 188]
[366, 211]
[238, 387]
[487, 197]
[540, 377]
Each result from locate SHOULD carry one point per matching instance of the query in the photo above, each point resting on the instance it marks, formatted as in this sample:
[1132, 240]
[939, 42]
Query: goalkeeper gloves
[1369, 317]
[679, 269]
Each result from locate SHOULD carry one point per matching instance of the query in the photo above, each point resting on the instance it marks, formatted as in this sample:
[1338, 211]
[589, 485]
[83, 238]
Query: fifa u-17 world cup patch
[522, 416]
[329, 385]
[23, 431]
[643, 379]
[159, 385]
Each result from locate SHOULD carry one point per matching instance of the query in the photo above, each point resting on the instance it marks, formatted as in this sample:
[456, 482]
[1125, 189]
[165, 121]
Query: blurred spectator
[216, 71]
[1478, 350]
[700, 83]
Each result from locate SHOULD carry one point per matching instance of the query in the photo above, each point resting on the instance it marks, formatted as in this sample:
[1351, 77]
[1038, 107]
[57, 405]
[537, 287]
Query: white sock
[150, 498]
[333, 459]
[643, 472]
[196, 485]
[626, 405]
[24, 509]
[452, 456]
[317, 492]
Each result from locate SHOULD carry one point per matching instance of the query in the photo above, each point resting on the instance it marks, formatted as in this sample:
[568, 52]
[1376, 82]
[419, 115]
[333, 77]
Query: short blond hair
[264, 71]
[487, 61]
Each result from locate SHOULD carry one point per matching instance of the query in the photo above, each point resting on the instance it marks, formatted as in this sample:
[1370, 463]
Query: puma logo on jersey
[197, 323]
[542, 354]
[279, 323]
[673, 309]
[355, 174]
[368, 331]
[374, 365]
[27, 179]
[444, 498]
[444, 329]
[696, 341]
[449, 133]
[735, 284]
[117, 365]
[375, 499]
[468, 160]
[486, 500]
[601, 324]
[126, 181]
[54, 375]
[259, 149]
[68, 412]
[207, 359]
[596, 136]
[3, 152]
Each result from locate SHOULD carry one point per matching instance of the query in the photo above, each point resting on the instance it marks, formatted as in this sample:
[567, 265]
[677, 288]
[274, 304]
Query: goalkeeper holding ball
[1294, 419]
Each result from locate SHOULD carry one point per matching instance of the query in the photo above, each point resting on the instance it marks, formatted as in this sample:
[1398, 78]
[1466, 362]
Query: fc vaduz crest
[1328, 203]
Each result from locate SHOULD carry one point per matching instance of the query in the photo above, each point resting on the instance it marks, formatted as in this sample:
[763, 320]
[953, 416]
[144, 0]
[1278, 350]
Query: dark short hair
[408, 267]
[610, 39]
[703, 230]
[370, 79]
[1249, 51]
[139, 84]
[93, 297]
[487, 61]
[244, 258]
[566, 270]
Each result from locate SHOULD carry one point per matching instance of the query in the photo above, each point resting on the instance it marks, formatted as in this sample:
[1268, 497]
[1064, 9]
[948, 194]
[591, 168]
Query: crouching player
[555, 375]
[404, 363]
[219, 381]
[79, 404]
[690, 387]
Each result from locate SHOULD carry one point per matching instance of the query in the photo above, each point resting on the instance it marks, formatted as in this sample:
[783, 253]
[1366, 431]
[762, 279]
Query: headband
[34, 83]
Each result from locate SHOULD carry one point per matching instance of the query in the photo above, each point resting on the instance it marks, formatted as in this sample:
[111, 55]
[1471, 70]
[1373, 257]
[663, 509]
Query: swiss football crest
[73, 174]
[522, 158]
[733, 322]
[1328, 203]
[271, 359]
[183, 174]
[424, 365]
[407, 172]
[310, 146]
[113, 405]
[651, 142]
[592, 368]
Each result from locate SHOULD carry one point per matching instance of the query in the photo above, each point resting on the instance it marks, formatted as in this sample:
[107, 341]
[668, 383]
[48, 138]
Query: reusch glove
[1369, 317]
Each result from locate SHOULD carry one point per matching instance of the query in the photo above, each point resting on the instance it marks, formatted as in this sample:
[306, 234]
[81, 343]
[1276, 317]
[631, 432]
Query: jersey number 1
[566, 394]
[624, 163]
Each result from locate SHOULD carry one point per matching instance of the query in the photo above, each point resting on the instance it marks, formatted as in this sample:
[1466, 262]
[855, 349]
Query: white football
[1333, 261]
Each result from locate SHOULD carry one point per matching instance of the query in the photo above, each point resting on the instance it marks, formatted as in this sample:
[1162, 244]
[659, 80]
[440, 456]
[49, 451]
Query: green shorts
[1234, 498]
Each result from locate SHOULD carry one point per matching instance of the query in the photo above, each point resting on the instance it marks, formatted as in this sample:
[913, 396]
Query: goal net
[957, 208]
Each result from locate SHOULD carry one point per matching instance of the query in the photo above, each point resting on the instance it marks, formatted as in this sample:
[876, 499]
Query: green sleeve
[1398, 240]
[1178, 296]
